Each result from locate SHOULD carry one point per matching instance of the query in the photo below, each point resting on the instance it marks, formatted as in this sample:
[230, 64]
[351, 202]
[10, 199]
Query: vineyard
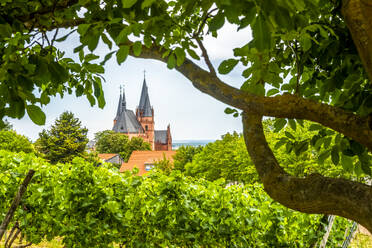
[89, 206]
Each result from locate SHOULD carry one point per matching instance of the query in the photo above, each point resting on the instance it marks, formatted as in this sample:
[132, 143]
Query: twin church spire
[144, 108]
[141, 123]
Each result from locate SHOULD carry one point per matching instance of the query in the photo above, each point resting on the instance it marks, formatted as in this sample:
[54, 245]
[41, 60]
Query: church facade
[141, 124]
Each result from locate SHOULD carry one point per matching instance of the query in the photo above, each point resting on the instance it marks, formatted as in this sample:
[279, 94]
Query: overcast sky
[191, 114]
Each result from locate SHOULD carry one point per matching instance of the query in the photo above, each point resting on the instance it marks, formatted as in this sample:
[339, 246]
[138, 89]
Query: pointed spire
[124, 102]
[144, 104]
[118, 112]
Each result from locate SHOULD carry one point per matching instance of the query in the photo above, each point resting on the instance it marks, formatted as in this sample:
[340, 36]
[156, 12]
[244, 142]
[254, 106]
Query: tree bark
[314, 194]
[358, 17]
[15, 203]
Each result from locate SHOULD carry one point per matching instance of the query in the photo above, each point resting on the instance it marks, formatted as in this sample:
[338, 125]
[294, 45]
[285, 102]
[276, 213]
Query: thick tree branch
[358, 17]
[313, 194]
[282, 106]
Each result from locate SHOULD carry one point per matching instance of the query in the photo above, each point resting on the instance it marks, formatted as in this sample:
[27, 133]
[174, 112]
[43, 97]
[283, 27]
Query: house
[145, 160]
[113, 158]
[141, 124]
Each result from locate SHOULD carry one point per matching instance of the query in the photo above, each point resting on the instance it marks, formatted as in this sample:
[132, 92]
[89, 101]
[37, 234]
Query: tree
[226, 158]
[315, 56]
[64, 140]
[111, 142]
[11, 141]
[184, 155]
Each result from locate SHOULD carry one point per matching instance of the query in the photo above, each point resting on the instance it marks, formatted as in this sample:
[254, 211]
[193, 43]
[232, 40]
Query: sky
[192, 115]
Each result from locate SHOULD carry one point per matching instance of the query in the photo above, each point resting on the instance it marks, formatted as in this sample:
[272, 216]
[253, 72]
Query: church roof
[125, 120]
[144, 104]
[161, 136]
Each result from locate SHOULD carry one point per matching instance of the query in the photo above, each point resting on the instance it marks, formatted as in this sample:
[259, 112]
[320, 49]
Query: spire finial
[144, 74]
[120, 89]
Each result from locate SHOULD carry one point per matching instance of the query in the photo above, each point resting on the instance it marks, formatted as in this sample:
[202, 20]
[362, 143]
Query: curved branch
[313, 194]
[282, 106]
[358, 17]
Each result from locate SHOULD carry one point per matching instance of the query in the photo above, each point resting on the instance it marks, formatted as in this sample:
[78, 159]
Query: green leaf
[107, 57]
[137, 47]
[292, 124]
[217, 22]
[147, 3]
[36, 114]
[335, 155]
[347, 163]
[128, 3]
[83, 28]
[63, 38]
[106, 40]
[171, 61]
[230, 111]
[356, 147]
[122, 54]
[289, 135]
[58, 73]
[94, 68]
[227, 65]
[314, 127]
[366, 167]
[91, 99]
[5, 30]
[305, 42]
[261, 33]
[323, 156]
[301, 147]
[279, 124]
[193, 54]
[93, 39]
[79, 48]
[272, 92]
[180, 54]
[90, 57]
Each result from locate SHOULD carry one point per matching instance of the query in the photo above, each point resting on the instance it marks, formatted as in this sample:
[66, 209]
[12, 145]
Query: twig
[15, 203]
[205, 55]
[55, 36]
[204, 20]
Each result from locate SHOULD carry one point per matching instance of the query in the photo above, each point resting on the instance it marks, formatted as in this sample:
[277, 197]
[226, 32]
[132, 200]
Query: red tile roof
[138, 159]
[106, 156]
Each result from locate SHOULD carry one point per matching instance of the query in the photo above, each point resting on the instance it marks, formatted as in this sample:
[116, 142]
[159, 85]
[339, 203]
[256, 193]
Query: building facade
[141, 124]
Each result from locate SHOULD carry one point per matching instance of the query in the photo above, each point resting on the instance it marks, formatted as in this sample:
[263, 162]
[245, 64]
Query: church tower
[145, 115]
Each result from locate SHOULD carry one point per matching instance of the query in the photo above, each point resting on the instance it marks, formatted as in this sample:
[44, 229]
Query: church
[141, 124]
